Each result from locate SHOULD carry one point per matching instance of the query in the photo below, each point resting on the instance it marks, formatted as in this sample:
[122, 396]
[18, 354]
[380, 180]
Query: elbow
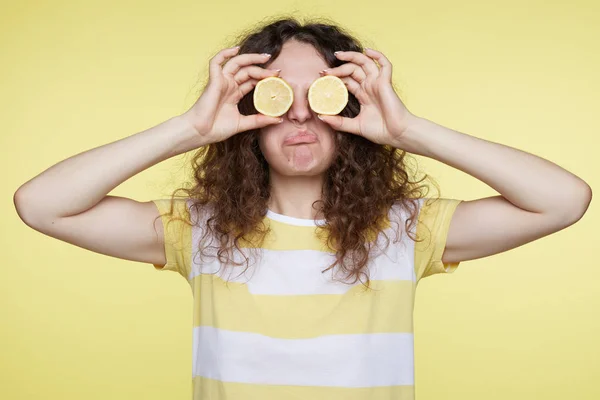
[579, 202]
[19, 203]
[25, 211]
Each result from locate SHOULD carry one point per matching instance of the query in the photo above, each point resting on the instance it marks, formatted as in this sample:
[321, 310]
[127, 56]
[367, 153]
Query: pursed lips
[300, 136]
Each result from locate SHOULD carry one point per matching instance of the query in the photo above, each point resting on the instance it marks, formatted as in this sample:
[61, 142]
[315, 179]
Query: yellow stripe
[177, 236]
[205, 388]
[433, 226]
[229, 305]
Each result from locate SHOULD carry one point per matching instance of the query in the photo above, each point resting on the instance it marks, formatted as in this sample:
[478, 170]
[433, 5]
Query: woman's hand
[383, 118]
[215, 114]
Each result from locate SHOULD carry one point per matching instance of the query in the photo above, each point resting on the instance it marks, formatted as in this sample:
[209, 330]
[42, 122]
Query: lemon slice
[273, 96]
[328, 95]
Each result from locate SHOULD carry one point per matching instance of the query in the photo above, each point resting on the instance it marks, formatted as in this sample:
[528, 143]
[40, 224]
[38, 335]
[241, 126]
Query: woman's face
[300, 64]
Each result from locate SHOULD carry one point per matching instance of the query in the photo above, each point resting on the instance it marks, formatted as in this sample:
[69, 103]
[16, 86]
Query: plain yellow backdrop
[76, 75]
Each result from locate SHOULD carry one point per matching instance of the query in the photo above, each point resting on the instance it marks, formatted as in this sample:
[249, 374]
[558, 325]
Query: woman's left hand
[383, 118]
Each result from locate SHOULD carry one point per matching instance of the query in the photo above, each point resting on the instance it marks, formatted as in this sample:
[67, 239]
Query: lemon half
[328, 95]
[273, 96]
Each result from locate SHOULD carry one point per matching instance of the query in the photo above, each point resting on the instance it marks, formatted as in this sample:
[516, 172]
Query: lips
[301, 136]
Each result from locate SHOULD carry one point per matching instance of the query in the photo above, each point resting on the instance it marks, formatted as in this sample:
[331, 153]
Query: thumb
[340, 123]
[256, 121]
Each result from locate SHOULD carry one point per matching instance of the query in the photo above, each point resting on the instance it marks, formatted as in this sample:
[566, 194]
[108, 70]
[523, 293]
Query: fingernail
[266, 54]
[319, 116]
[336, 52]
[280, 120]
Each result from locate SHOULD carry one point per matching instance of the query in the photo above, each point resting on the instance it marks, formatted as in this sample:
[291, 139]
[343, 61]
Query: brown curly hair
[231, 178]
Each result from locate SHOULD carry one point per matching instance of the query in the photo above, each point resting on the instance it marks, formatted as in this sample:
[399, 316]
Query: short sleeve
[435, 215]
[178, 236]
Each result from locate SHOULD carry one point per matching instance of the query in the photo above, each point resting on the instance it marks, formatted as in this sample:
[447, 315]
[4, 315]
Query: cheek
[261, 144]
[265, 139]
[329, 142]
[268, 147]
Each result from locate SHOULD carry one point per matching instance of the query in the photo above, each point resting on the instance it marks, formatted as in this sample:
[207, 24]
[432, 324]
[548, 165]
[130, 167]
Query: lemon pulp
[328, 95]
[273, 96]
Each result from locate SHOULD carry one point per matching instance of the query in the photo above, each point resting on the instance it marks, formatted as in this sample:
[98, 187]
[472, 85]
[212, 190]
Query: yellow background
[76, 75]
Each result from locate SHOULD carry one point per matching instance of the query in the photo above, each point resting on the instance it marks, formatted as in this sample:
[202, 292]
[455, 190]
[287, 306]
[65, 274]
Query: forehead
[299, 62]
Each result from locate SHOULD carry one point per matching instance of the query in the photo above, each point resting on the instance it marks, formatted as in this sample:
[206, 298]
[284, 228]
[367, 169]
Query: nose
[300, 110]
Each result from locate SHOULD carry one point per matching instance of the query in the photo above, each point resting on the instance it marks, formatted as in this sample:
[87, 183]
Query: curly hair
[231, 178]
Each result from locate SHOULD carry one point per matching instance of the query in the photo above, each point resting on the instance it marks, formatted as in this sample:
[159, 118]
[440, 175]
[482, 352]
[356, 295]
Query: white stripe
[362, 360]
[396, 262]
[298, 272]
[293, 220]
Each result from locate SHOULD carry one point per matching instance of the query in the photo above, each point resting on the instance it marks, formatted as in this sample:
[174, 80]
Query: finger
[342, 124]
[367, 64]
[233, 65]
[219, 58]
[247, 86]
[347, 69]
[254, 72]
[386, 65]
[355, 88]
[256, 121]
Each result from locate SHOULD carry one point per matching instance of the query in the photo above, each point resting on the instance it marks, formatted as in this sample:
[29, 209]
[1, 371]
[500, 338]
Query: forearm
[79, 182]
[527, 181]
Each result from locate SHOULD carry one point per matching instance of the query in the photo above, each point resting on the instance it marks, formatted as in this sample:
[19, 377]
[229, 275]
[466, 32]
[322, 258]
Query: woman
[296, 322]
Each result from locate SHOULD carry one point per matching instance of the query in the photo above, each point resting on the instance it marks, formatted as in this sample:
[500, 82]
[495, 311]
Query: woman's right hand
[215, 115]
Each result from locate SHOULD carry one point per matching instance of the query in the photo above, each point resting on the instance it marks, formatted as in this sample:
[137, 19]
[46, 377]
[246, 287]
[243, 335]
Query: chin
[314, 168]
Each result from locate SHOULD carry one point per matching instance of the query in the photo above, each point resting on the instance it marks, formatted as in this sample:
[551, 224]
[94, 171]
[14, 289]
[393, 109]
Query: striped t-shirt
[284, 330]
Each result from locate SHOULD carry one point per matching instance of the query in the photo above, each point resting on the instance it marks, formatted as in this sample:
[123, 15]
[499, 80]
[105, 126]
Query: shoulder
[186, 209]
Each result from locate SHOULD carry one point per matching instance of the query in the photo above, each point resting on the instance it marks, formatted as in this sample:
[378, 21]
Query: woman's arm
[537, 196]
[69, 200]
[529, 182]
[78, 183]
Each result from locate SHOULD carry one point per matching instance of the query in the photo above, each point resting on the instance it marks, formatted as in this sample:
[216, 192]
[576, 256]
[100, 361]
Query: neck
[294, 195]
